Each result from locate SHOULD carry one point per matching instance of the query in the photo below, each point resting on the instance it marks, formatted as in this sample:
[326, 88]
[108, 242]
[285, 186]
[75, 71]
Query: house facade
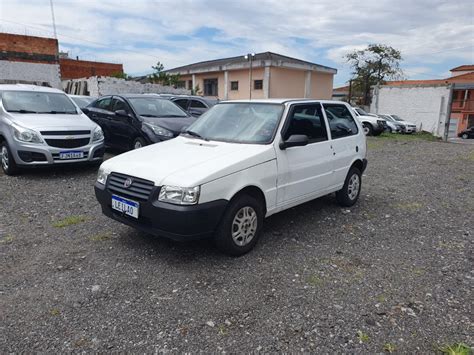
[264, 75]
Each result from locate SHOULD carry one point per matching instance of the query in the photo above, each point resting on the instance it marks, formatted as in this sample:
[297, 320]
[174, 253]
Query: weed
[363, 337]
[456, 349]
[7, 239]
[54, 312]
[100, 237]
[381, 298]
[409, 206]
[315, 280]
[389, 347]
[409, 137]
[222, 330]
[69, 221]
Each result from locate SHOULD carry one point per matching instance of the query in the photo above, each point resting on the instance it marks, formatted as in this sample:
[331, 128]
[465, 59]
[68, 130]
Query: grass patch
[69, 221]
[409, 206]
[363, 337]
[54, 312]
[456, 349]
[100, 237]
[381, 298]
[389, 347]
[7, 239]
[315, 280]
[410, 137]
[373, 144]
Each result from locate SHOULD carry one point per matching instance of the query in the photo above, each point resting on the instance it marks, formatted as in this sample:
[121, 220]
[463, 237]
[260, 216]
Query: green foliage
[69, 221]
[363, 337]
[160, 77]
[389, 347]
[120, 75]
[456, 349]
[196, 90]
[372, 66]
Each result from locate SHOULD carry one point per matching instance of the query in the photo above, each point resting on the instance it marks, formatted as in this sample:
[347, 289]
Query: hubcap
[244, 226]
[4, 158]
[353, 186]
[464, 136]
[366, 130]
[138, 145]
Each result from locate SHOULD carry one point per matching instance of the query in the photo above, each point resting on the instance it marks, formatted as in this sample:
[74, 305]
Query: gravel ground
[394, 269]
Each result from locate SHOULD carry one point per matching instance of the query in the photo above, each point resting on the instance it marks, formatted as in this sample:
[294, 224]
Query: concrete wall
[99, 86]
[29, 73]
[426, 106]
[321, 86]
[287, 83]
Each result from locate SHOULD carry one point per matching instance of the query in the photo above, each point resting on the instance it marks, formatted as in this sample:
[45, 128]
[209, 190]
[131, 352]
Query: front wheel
[138, 143]
[8, 163]
[349, 194]
[240, 226]
[465, 136]
[368, 130]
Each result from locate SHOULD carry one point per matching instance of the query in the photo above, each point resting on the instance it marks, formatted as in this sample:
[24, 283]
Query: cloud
[429, 33]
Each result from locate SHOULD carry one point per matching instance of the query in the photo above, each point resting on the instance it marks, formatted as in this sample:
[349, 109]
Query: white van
[238, 163]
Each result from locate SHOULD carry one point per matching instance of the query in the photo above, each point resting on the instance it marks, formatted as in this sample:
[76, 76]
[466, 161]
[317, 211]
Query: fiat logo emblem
[128, 183]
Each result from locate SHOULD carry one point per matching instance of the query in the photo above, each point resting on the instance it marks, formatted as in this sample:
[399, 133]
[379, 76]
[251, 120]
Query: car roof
[26, 87]
[285, 101]
[136, 96]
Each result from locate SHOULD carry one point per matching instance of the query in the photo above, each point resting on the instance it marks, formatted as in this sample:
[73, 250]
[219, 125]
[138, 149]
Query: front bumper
[26, 154]
[177, 222]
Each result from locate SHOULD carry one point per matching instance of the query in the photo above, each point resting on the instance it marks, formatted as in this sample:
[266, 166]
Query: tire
[349, 194]
[465, 136]
[390, 130]
[250, 211]
[368, 129]
[7, 161]
[138, 143]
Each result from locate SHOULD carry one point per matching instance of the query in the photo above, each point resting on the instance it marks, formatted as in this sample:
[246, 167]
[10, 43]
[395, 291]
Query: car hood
[52, 121]
[407, 123]
[174, 124]
[188, 162]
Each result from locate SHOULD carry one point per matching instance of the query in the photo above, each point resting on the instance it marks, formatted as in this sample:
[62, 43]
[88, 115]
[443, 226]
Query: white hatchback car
[240, 162]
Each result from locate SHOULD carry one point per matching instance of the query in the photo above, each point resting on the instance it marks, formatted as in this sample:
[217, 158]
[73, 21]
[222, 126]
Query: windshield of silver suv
[238, 123]
[360, 111]
[151, 107]
[37, 102]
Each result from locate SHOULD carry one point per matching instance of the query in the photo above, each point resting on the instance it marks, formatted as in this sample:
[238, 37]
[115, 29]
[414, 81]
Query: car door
[197, 108]
[304, 172]
[123, 131]
[344, 138]
[183, 103]
[99, 112]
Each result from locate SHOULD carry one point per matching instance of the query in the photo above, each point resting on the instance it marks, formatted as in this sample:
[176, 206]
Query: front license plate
[71, 155]
[124, 205]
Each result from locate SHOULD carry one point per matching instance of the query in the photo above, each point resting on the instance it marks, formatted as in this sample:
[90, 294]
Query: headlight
[26, 135]
[98, 135]
[160, 131]
[102, 176]
[179, 195]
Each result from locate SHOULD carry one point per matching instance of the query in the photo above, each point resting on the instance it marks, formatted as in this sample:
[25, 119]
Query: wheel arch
[359, 164]
[253, 191]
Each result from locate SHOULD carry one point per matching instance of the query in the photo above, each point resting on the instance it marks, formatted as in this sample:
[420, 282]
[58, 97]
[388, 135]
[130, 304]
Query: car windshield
[360, 111]
[155, 107]
[82, 101]
[395, 117]
[37, 102]
[239, 123]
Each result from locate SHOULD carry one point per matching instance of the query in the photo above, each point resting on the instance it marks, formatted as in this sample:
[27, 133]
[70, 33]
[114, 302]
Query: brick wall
[28, 48]
[75, 69]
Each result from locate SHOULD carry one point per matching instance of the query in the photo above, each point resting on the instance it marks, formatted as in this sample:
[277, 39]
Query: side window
[103, 104]
[197, 104]
[307, 120]
[340, 120]
[183, 103]
[120, 105]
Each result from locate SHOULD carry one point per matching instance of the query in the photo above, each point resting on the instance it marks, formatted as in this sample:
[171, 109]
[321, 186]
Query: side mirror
[295, 140]
[122, 113]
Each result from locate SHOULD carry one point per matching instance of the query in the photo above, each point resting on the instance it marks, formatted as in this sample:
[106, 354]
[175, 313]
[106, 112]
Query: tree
[372, 66]
[120, 75]
[160, 77]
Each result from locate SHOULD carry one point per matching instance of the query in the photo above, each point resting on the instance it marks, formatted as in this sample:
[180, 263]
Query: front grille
[68, 143]
[381, 123]
[64, 133]
[139, 189]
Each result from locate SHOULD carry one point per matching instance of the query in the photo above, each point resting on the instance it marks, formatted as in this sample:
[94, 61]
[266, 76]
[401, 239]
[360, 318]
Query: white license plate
[71, 155]
[124, 205]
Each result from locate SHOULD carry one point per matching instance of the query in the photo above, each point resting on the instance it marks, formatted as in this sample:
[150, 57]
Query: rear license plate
[124, 205]
[71, 155]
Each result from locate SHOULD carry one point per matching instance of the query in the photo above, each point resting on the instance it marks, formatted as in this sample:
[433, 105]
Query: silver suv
[42, 126]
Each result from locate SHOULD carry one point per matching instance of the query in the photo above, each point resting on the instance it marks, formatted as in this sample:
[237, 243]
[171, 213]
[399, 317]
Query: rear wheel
[465, 136]
[240, 226]
[349, 193]
[8, 163]
[138, 143]
[368, 130]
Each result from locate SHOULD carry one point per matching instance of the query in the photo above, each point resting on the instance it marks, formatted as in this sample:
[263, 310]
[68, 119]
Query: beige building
[269, 75]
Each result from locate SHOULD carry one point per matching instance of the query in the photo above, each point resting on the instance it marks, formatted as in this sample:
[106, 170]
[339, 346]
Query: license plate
[71, 155]
[124, 205]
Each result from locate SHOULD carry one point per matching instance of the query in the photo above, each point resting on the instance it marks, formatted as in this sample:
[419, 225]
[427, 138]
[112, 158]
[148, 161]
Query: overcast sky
[433, 35]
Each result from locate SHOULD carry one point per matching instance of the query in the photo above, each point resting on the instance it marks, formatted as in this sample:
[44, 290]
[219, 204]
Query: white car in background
[372, 125]
[406, 127]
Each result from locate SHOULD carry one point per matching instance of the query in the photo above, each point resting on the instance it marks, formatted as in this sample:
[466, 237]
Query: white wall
[424, 105]
[98, 86]
[26, 72]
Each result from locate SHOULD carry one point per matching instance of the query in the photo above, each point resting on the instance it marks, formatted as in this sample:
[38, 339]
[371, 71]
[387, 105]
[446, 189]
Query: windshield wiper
[197, 135]
[60, 112]
[22, 111]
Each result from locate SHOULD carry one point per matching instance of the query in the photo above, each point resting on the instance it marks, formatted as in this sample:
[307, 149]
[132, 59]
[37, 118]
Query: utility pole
[250, 57]
[350, 92]
[54, 20]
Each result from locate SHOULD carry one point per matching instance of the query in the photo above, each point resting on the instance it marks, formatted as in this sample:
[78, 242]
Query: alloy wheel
[138, 145]
[353, 186]
[5, 158]
[244, 226]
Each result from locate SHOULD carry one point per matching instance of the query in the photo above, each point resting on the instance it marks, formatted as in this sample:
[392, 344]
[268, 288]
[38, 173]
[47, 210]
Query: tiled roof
[466, 67]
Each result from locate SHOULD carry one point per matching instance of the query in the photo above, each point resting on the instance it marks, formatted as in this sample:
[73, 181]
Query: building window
[210, 87]
[258, 84]
[234, 85]
[190, 84]
[181, 84]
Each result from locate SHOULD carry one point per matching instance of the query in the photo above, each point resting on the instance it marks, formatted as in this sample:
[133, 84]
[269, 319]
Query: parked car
[194, 105]
[82, 101]
[133, 121]
[393, 126]
[238, 163]
[467, 133]
[42, 126]
[406, 127]
[373, 125]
